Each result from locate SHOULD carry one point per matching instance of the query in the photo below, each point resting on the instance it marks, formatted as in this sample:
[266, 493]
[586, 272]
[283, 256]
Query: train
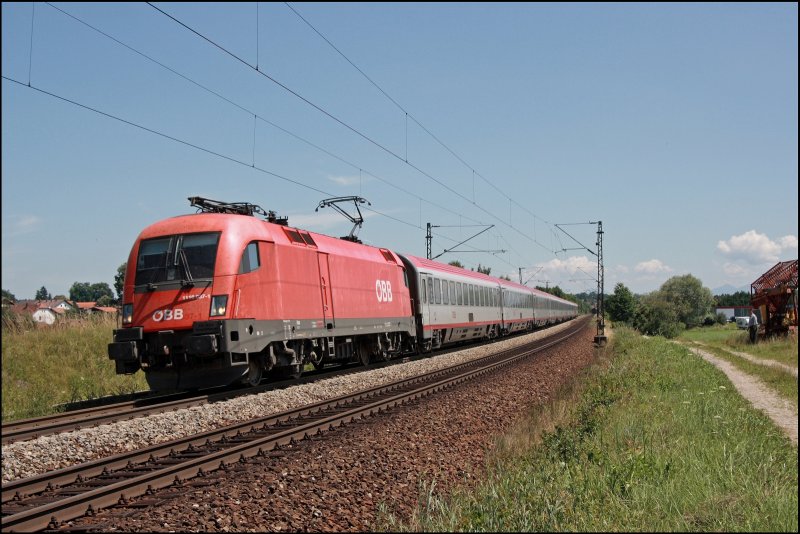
[223, 296]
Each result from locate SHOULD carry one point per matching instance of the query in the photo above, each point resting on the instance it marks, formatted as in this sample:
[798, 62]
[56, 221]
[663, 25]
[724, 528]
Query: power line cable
[333, 117]
[248, 111]
[409, 115]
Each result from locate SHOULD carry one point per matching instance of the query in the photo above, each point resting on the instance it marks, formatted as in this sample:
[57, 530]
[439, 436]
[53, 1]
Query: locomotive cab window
[177, 257]
[250, 260]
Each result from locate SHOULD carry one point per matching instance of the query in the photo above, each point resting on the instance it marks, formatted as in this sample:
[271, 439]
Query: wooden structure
[774, 294]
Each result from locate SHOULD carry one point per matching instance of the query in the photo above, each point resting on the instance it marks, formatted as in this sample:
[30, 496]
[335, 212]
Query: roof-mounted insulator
[206, 205]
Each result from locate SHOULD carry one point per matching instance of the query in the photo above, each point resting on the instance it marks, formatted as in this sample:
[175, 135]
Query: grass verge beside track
[652, 438]
[47, 366]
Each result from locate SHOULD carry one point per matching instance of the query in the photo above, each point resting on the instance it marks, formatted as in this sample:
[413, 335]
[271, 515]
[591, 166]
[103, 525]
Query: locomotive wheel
[315, 357]
[254, 374]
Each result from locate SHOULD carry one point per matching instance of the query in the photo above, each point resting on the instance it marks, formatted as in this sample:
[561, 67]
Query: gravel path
[780, 410]
[339, 482]
[760, 361]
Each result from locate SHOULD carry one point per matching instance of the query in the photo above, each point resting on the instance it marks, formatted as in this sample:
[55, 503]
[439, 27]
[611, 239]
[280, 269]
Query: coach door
[325, 289]
[426, 293]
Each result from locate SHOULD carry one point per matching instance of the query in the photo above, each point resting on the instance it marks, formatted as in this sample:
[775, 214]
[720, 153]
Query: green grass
[779, 380]
[783, 350]
[46, 366]
[657, 440]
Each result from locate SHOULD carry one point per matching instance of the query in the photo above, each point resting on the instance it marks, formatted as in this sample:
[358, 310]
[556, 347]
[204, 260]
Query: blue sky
[673, 124]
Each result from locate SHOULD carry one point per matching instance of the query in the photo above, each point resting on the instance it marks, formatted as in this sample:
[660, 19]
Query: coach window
[423, 289]
[437, 290]
[445, 293]
[430, 290]
[453, 297]
[250, 261]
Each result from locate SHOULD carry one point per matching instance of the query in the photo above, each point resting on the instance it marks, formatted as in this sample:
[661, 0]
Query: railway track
[143, 406]
[44, 501]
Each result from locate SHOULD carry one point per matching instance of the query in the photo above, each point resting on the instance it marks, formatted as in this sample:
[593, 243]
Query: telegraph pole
[600, 338]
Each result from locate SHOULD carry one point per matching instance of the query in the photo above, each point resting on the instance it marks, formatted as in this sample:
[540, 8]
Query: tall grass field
[653, 438]
[51, 365]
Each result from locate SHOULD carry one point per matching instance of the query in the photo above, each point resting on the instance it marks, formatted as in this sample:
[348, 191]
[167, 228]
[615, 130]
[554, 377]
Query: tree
[8, 295]
[100, 290]
[456, 263]
[105, 300]
[484, 270]
[655, 316]
[692, 302]
[86, 292]
[740, 298]
[80, 292]
[621, 305]
[42, 294]
[119, 280]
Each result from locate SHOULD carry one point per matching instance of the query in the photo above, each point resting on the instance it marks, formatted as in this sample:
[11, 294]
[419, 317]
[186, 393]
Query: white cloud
[735, 270]
[788, 241]
[345, 181]
[23, 224]
[560, 272]
[755, 248]
[651, 267]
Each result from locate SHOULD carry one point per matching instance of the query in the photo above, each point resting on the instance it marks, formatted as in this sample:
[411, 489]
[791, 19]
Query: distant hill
[728, 289]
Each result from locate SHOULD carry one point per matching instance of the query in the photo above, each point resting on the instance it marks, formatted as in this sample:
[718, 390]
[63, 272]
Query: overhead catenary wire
[198, 147]
[250, 112]
[410, 115]
[252, 164]
[341, 122]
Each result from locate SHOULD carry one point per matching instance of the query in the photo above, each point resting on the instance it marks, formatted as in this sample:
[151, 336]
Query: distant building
[734, 311]
[48, 315]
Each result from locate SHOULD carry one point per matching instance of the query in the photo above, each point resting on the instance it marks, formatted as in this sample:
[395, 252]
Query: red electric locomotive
[221, 296]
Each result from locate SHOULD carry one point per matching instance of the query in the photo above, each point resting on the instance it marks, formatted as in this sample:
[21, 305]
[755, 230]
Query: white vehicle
[742, 322]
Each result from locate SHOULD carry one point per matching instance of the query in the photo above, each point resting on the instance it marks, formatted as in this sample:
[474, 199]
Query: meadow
[651, 438]
[46, 366]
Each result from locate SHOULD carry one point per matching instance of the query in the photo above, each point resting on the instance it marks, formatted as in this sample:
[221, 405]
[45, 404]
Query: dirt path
[780, 410]
[768, 363]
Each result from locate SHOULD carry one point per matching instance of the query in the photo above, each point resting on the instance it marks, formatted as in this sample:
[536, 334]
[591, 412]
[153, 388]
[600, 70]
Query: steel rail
[111, 413]
[134, 482]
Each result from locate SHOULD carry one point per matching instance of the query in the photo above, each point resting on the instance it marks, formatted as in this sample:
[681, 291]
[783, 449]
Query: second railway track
[38, 502]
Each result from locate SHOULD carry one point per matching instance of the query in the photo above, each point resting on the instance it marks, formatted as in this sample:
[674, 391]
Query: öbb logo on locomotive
[238, 280]
[168, 315]
[383, 289]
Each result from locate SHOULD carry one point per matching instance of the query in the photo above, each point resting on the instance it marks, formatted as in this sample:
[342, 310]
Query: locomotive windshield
[177, 258]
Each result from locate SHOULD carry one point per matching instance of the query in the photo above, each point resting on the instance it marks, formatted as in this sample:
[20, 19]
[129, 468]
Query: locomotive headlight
[127, 313]
[219, 303]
